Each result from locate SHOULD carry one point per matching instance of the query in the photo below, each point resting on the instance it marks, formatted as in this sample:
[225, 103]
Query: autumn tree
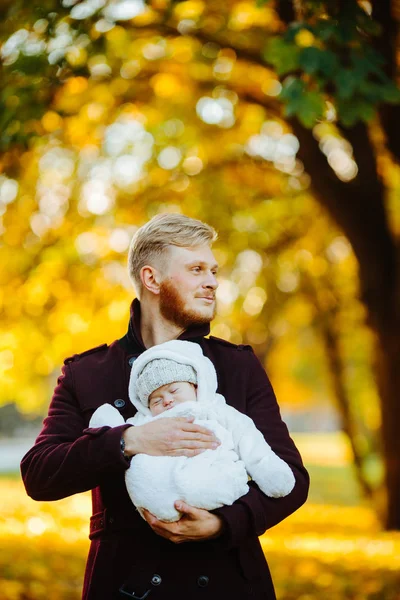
[303, 93]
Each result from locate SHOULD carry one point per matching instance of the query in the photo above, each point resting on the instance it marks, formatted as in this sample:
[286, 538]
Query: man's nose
[211, 281]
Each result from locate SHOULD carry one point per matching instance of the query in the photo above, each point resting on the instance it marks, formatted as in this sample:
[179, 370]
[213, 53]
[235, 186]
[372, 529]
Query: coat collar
[133, 343]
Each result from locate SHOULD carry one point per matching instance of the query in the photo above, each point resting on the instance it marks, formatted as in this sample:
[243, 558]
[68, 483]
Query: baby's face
[169, 395]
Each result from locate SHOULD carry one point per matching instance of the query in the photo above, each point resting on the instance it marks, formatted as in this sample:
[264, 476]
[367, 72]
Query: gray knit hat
[161, 371]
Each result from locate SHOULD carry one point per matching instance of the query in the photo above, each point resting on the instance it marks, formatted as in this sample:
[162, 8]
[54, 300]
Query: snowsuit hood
[186, 353]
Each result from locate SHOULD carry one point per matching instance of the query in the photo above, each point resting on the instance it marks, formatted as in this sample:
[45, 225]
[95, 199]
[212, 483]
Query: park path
[11, 452]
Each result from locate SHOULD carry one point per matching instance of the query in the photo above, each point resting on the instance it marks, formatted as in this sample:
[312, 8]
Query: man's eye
[196, 269]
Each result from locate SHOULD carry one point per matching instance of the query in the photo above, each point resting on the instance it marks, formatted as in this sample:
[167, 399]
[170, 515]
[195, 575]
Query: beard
[172, 308]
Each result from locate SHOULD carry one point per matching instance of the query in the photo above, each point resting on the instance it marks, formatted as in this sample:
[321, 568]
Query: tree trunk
[349, 425]
[358, 208]
[388, 380]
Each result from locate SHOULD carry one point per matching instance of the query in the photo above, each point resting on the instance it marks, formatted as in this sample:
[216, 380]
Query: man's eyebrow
[201, 263]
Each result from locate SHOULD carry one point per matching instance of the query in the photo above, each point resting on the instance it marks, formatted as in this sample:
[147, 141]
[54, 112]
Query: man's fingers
[174, 437]
[170, 531]
[200, 437]
[150, 518]
[185, 508]
[183, 443]
[195, 436]
[195, 445]
[198, 429]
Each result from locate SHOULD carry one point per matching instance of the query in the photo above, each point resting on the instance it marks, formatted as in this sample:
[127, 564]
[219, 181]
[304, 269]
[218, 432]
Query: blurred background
[278, 123]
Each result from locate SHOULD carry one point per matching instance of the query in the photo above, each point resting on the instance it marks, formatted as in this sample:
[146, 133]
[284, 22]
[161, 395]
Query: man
[206, 554]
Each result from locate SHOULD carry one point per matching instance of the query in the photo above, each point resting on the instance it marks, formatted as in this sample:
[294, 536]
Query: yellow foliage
[118, 38]
[80, 298]
[182, 49]
[304, 38]
[190, 9]
[44, 364]
[77, 56]
[318, 266]
[51, 121]
[149, 16]
[318, 552]
[166, 85]
[292, 393]
[245, 15]
[75, 85]
[119, 86]
[301, 313]
[254, 301]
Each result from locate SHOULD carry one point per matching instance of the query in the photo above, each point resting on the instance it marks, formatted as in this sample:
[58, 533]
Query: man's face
[187, 290]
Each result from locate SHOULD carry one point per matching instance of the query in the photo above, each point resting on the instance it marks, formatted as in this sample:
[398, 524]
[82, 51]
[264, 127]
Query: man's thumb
[184, 508]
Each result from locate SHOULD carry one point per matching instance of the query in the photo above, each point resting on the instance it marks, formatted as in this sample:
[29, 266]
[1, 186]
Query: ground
[331, 548]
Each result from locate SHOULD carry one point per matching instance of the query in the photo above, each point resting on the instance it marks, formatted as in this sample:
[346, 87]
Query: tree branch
[336, 371]
[286, 10]
[358, 208]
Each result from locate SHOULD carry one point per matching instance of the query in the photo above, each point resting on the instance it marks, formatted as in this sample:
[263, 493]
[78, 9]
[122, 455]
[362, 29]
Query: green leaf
[357, 109]
[311, 109]
[282, 55]
[326, 29]
[346, 83]
[307, 106]
[371, 91]
[346, 30]
[292, 89]
[314, 60]
[366, 62]
[30, 65]
[367, 24]
[390, 93]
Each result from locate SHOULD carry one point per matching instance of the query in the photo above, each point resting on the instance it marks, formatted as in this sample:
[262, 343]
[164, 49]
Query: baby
[170, 394]
[175, 379]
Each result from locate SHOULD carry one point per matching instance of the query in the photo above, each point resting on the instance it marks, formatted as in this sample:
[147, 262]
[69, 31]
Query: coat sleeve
[68, 458]
[255, 512]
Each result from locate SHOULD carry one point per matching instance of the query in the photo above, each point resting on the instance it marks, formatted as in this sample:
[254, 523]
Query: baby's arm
[272, 475]
[106, 415]
[148, 479]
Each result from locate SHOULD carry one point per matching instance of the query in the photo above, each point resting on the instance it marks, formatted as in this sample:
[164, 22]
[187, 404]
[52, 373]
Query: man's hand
[169, 437]
[195, 525]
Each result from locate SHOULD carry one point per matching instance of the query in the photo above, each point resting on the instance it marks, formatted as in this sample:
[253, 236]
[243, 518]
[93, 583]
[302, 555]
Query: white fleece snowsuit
[213, 478]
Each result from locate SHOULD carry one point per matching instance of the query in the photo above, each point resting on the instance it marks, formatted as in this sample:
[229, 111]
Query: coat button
[119, 403]
[132, 360]
[156, 579]
[202, 581]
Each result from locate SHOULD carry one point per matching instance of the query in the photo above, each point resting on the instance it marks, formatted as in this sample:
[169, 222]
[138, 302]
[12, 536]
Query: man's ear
[151, 279]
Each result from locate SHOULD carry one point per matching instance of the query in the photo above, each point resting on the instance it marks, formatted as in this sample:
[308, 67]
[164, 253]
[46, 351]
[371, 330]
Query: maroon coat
[68, 458]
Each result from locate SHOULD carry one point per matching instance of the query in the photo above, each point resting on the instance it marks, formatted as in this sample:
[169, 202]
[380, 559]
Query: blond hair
[169, 229]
